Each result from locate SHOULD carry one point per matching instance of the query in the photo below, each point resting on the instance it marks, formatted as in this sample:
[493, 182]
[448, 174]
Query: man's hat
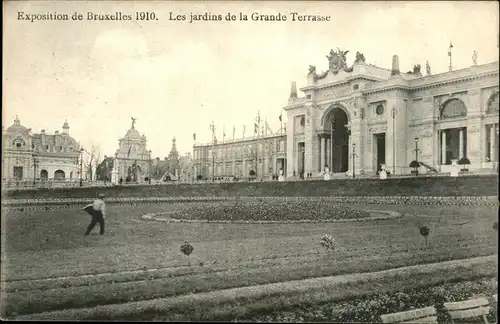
[102, 195]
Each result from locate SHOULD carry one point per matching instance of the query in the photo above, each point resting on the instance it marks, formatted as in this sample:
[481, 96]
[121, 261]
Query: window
[302, 121]
[355, 87]
[379, 110]
[453, 108]
[18, 145]
[492, 107]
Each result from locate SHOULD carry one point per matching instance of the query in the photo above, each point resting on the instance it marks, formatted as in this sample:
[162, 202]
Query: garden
[50, 266]
[271, 210]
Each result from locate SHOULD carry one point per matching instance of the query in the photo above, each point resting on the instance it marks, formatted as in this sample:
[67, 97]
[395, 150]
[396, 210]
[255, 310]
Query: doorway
[379, 140]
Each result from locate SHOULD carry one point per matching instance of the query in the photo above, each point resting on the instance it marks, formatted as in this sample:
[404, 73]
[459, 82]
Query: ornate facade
[39, 156]
[363, 118]
[360, 118]
[132, 159]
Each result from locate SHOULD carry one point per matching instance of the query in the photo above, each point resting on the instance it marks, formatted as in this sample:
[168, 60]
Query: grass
[240, 302]
[368, 308]
[50, 244]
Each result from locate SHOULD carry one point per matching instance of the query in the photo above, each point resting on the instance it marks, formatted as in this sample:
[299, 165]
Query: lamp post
[213, 165]
[106, 170]
[150, 167]
[303, 163]
[394, 140]
[416, 149]
[332, 123]
[416, 153]
[81, 166]
[354, 160]
[35, 162]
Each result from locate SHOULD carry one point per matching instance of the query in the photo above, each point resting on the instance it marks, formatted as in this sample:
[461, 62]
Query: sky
[178, 77]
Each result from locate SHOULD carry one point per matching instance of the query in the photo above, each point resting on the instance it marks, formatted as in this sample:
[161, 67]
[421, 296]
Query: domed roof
[65, 125]
[132, 133]
[17, 127]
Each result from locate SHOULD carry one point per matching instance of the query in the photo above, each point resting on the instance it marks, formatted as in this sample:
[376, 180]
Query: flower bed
[368, 309]
[266, 210]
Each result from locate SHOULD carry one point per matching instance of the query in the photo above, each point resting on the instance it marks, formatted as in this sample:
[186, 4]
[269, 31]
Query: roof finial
[293, 90]
[16, 121]
[395, 65]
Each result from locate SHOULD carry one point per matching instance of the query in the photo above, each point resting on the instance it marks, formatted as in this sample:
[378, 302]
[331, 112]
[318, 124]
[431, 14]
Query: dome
[65, 125]
[132, 133]
[17, 127]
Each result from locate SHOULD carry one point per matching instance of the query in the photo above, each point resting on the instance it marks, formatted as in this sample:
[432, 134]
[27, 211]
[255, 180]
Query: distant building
[260, 156]
[39, 156]
[133, 159]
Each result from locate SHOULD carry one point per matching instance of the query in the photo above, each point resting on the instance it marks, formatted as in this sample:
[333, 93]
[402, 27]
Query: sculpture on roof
[337, 60]
[133, 121]
[474, 58]
[312, 70]
[360, 58]
[427, 68]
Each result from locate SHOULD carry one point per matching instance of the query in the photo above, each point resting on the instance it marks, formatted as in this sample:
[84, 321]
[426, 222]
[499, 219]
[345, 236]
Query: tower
[65, 128]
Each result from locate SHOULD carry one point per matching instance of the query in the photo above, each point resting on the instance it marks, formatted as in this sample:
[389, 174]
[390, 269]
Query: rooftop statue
[337, 60]
[133, 121]
[360, 58]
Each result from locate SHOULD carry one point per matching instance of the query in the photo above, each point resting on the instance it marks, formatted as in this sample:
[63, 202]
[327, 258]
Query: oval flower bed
[266, 210]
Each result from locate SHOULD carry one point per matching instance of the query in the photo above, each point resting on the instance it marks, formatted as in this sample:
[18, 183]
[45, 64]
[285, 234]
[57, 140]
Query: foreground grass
[369, 308]
[245, 302]
[50, 244]
[112, 290]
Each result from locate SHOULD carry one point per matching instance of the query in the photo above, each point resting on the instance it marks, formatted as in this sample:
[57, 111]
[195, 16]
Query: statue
[360, 58]
[133, 121]
[337, 60]
[474, 57]
[312, 70]
[427, 68]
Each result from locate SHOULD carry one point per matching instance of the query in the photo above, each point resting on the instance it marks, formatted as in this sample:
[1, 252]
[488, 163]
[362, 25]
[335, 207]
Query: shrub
[329, 243]
[187, 249]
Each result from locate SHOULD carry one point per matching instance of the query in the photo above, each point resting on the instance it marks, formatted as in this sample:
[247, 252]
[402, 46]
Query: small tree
[187, 249]
[414, 164]
[424, 231]
[329, 243]
[464, 162]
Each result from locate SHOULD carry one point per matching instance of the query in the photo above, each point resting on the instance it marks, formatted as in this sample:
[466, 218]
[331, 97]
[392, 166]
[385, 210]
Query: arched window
[44, 174]
[59, 175]
[492, 107]
[453, 108]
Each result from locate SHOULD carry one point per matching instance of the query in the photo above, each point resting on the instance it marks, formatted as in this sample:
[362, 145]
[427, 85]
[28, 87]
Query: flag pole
[449, 54]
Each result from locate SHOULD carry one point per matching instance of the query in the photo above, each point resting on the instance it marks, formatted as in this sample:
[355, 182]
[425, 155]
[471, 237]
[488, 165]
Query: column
[323, 147]
[443, 146]
[328, 149]
[492, 143]
[460, 143]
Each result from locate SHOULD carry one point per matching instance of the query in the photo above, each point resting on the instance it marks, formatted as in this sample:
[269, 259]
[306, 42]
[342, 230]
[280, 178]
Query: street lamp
[150, 166]
[416, 150]
[354, 160]
[35, 162]
[303, 162]
[394, 140]
[332, 123]
[81, 166]
[106, 170]
[213, 165]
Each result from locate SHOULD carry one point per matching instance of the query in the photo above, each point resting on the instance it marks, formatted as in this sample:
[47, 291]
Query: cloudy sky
[177, 77]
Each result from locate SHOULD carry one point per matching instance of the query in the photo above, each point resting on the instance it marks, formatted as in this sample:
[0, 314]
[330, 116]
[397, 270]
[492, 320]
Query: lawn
[141, 259]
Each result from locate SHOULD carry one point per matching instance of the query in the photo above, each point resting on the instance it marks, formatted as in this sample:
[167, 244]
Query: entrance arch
[335, 123]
